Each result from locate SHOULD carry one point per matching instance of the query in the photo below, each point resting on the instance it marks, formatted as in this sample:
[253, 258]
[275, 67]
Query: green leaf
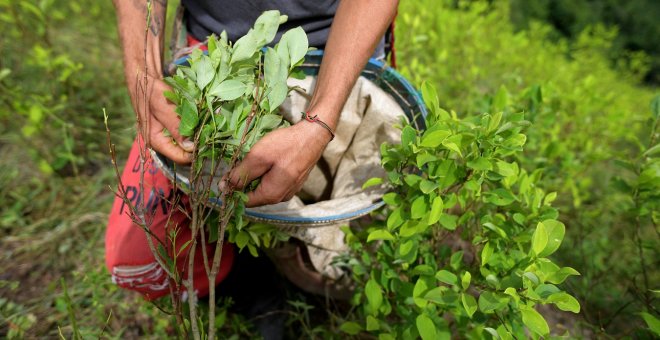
[555, 231]
[419, 208]
[386, 336]
[189, 118]
[420, 288]
[532, 277]
[266, 25]
[434, 138]
[534, 321]
[408, 136]
[395, 219]
[275, 70]
[427, 186]
[374, 295]
[425, 157]
[297, 44]
[204, 72]
[480, 164]
[436, 210]
[565, 302]
[489, 302]
[486, 253]
[540, 239]
[228, 90]
[465, 280]
[456, 260]
[492, 332]
[430, 96]
[469, 303]
[426, 327]
[499, 231]
[544, 290]
[452, 146]
[372, 323]
[561, 275]
[506, 169]
[372, 182]
[651, 321]
[446, 277]
[406, 247]
[500, 197]
[277, 95]
[171, 96]
[512, 293]
[351, 328]
[244, 48]
[380, 235]
[435, 295]
[448, 221]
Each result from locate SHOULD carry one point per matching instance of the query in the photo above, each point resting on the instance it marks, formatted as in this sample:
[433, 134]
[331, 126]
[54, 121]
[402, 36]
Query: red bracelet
[314, 119]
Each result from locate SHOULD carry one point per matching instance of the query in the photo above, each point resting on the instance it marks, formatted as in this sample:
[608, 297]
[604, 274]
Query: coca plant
[465, 237]
[227, 100]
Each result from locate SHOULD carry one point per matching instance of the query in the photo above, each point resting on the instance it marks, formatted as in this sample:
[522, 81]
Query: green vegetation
[592, 139]
[590, 132]
[636, 23]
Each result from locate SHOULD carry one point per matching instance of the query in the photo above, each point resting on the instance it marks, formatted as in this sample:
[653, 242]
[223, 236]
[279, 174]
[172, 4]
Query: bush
[585, 116]
[464, 244]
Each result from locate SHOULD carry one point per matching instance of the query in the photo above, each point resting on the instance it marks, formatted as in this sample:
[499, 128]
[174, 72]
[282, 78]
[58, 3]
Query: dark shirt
[236, 17]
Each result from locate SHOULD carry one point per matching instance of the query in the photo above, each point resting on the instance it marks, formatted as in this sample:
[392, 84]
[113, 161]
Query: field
[593, 132]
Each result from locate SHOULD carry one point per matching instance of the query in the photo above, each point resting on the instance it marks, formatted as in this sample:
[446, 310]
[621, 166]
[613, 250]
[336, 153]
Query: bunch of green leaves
[228, 98]
[455, 183]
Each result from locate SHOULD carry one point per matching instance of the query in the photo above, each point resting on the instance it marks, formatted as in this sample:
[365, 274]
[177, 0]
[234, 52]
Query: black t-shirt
[236, 17]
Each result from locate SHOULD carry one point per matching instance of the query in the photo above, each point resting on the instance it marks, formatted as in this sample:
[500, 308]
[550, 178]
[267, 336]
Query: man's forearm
[141, 52]
[357, 28]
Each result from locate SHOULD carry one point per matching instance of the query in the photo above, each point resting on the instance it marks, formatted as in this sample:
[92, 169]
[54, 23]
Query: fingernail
[188, 145]
[222, 186]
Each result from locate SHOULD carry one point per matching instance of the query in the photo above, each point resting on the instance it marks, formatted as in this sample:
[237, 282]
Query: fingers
[163, 144]
[272, 189]
[163, 111]
[253, 166]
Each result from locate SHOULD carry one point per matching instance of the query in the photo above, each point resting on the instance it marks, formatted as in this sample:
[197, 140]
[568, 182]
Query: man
[349, 31]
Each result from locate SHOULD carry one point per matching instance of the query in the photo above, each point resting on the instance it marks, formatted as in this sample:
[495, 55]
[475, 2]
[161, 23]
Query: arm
[144, 53]
[284, 157]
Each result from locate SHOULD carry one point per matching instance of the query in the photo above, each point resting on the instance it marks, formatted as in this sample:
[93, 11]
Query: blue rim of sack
[376, 71]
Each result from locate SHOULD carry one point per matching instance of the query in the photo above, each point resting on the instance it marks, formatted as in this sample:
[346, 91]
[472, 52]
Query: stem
[225, 215]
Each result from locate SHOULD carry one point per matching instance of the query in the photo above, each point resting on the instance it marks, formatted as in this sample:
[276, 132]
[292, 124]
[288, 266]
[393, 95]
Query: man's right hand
[158, 116]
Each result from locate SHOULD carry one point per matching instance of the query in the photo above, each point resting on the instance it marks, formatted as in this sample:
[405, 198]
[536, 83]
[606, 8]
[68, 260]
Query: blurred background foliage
[584, 72]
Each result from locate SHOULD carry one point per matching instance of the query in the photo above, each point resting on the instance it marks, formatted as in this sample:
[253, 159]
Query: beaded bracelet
[314, 119]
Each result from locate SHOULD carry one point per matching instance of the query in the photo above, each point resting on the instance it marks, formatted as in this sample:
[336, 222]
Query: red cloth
[192, 42]
[128, 256]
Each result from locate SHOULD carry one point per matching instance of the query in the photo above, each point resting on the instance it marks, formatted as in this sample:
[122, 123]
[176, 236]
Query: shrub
[584, 116]
[464, 243]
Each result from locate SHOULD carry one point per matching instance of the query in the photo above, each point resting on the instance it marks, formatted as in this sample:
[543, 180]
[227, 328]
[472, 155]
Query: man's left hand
[282, 159]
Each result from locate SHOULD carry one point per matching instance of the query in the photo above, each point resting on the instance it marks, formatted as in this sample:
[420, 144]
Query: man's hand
[143, 55]
[160, 115]
[282, 159]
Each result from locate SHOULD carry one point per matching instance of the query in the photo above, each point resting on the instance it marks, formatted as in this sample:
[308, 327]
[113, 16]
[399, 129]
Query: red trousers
[127, 254]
